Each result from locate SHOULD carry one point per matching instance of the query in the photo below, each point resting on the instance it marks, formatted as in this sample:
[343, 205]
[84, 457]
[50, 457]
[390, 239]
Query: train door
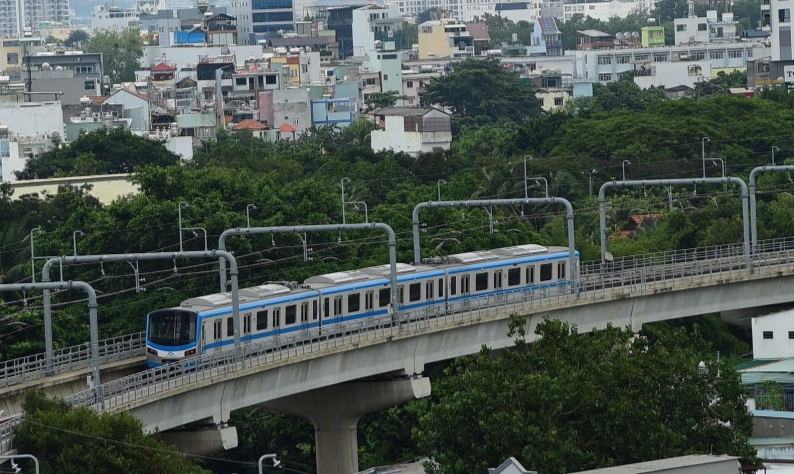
[304, 324]
[247, 326]
[497, 285]
[277, 321]
[338, 312]
[204, 327]
[464, 285]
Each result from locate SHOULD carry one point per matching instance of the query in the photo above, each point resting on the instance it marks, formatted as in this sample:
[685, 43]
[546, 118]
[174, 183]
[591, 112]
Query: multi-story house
[377, 23]
[708, 29]
[445, 39]
[411, 130]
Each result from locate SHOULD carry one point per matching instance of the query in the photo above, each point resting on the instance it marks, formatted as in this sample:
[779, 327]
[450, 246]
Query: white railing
[69, 359]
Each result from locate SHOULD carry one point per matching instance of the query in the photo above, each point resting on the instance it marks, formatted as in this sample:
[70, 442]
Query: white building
[136, 108]
[113, 18]
[413, 83]
[604, 10]
[26, 129]
[367, 20]
[773, 335]
[17, 14]
[782, 29]
[518, 11]
[411, 130]
[608, 65]
[462, 11]
[707, 29]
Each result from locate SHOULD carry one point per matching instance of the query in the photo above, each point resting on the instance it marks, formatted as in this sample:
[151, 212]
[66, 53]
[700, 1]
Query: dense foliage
[101, 151]
[571, 402]
[66, 439]
[120, 52]
[298, 182]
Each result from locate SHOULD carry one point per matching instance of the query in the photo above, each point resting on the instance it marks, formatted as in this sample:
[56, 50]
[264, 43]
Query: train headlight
[151, 351]
[190, 352]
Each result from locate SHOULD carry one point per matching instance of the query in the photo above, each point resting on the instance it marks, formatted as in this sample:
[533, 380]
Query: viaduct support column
[334, 411]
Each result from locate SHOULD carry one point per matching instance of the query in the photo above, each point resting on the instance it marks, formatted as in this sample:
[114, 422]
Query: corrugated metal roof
[663, 464]
[783, 415]
[785, 366]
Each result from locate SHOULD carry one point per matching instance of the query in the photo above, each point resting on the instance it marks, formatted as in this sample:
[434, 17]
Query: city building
[518, 11]
[104, 17]
[27, 129]
[600, 10]
[74, 73]
[547, 36]
[445, 39]
[17, 15]
[411, 130]
[377, 23]
[708, 29]
[773, 335]
[652, 34]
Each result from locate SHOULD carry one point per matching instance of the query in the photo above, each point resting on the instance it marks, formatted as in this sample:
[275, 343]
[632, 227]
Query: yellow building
[445, 39]
[292, 63]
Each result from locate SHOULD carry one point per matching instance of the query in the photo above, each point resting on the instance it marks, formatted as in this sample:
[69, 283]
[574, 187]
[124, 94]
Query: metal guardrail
[626, 275]
[34, 367]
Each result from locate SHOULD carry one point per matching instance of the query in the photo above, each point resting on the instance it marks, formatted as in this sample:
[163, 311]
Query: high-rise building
[16, 15]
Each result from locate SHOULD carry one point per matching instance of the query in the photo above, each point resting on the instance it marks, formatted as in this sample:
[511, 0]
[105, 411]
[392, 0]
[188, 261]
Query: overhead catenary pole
[502, 202]
[753, 190]
[671, 182]
[321, 228]
[92, 316]
[45, 276]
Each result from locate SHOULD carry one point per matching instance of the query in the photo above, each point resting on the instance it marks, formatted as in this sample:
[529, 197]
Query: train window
[369, 299]
[276, 317]
[229, 327]
[453, 285]
[429, 289]
[353, 303]
[545, 272]
[384, 297]
[440, 287]
[304, 312]
[326, 310]
[481, 282]
[217, 330]
[261, 320]
[314, 310]
[561, 271]
[290, 314]
[414, 292]
[513, 277]
[247, 324]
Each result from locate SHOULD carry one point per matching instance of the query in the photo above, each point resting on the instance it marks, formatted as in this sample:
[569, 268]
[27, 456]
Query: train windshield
[172, 328]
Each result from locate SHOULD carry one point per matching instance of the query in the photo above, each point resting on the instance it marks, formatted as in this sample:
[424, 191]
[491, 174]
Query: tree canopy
[483, 89]
[67, 439]
[102, 151]
[120, 52]
[572, 401]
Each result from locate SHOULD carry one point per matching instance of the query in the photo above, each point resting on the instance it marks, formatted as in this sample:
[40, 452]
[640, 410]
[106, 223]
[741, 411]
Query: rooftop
[478, 31]
[664, 464]
[249, 124]
[594, 34]
[299, 41]
[404, 111]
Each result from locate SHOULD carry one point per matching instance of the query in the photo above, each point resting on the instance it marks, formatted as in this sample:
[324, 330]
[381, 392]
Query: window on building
[89, 85]
[660, 58]
[791, 334]
[680, 27]
[604, 60]
[12, 58]
[735, 53]
[409, 84]
[784, 15]
[605, 77]
[716, 54]
[296, 122]
[768, 335]
[558, 101]
[702, 27]
[623, 59]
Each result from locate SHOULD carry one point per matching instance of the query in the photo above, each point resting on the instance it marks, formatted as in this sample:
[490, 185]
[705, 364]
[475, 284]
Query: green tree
[572, 401]
[623, 95]
[668, 10]
[378, 100]
[478, 88]
[75, 38]
[120, 152]
[120, 52]
[67, 439]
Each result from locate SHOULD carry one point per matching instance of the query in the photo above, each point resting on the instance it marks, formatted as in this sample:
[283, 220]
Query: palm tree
[14, 255]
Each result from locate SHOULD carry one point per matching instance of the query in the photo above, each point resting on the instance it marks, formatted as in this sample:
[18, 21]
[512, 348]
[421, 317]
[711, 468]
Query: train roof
[368, 274]
[485, 256]
[246, 295]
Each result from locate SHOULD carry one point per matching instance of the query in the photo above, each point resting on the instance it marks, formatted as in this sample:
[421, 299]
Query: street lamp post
[33, 255]
[343, 198]
[625, 162]
[774, 148]
[703, 153]
[590, 179]
[248, 214]
[179, 210]
[74, 239]
[440, 182]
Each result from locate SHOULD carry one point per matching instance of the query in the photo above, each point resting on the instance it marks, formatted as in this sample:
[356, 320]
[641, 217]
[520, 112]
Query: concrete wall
[130, 102]
[32, 118]
[106, 188]
[780, 326]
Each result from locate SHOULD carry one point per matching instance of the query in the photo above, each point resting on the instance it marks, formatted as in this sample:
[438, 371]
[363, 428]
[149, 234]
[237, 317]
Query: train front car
[171, 335]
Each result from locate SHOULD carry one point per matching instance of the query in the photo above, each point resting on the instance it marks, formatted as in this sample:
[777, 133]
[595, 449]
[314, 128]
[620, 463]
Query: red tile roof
[287, 128]
[162, 67]
[249, 124]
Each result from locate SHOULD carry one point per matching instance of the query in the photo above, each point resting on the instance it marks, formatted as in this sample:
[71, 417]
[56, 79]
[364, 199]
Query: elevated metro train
[337, 302]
